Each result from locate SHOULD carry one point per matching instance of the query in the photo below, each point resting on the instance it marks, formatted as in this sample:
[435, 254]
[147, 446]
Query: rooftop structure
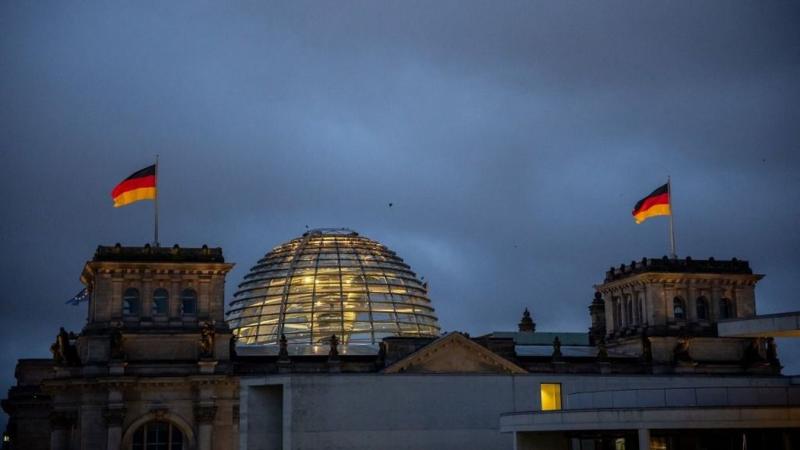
[330, 282]
[148, 253]
[687, 265]
[339, 348]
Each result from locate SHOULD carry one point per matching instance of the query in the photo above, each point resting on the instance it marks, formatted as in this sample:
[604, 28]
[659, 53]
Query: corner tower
[667, 310]
[150, 369]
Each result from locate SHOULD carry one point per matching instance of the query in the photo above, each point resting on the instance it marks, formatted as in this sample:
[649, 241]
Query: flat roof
[770, 325]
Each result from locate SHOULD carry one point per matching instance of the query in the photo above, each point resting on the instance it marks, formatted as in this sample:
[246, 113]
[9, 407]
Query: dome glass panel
[330, 282]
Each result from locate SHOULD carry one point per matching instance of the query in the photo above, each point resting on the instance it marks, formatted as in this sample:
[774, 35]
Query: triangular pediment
[454, 353]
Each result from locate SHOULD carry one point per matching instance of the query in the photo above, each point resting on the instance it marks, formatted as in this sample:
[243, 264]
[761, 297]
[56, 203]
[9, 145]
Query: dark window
[678, 308]
[702, 308]
[725, 309]
[188, 302]
[158, 436]
[130, 302]
[160, 302]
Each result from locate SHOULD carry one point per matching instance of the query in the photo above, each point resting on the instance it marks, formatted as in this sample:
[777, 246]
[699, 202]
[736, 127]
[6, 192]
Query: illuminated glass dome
[330, 282]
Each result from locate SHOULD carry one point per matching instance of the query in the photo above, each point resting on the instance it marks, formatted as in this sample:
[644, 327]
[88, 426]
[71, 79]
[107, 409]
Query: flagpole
[156, 205]
[671, 220]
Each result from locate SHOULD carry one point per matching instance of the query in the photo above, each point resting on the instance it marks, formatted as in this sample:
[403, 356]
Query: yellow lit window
[551, 396]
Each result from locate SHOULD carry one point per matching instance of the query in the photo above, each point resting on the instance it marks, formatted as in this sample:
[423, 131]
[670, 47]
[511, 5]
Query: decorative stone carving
[159, 412]
[334, 342]
[283, 353]
[602, 351]
[116, 343]
[64, 352]
[681, 351]
[232, 345]
[557, 349]
[207, 336]
[756, 353]
[527, 324]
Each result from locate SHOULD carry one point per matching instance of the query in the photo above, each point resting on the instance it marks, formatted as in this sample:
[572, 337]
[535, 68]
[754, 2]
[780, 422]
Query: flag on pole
[139, 186]
[658, 203]
[81, 296]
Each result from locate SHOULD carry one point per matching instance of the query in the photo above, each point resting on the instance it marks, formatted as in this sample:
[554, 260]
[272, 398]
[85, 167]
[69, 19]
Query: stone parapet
[686, 265]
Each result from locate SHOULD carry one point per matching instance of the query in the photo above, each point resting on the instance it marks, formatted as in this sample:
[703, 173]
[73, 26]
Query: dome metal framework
[330, 282]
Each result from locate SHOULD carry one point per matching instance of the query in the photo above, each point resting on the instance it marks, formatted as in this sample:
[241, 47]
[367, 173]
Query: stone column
[644, 439]
[235, 418]
[61, 422]
[114, 418]
[204, 416]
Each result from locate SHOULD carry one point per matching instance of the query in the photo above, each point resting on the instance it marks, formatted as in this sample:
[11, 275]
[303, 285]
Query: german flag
[139, 186]
[656, 204]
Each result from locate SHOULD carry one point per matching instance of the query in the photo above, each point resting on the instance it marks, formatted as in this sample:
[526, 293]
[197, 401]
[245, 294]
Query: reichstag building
[331, 342]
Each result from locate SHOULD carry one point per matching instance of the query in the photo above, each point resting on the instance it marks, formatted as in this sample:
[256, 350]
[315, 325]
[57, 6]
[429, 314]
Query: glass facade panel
[331, 282]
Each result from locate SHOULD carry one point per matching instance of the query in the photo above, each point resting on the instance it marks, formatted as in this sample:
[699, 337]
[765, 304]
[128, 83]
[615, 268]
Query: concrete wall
[377, 411]
[407, 411]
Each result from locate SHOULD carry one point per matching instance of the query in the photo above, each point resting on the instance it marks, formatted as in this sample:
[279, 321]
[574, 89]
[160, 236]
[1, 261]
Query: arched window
[158, 435]
[678, 309]
[130, 302]
[702, 308]
[160, 302]
[188, 302]
[725, 309]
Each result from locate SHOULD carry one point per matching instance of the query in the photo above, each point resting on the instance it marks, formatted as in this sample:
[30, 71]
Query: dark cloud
[512, 139]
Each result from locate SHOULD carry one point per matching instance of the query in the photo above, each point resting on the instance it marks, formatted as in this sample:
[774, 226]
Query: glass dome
[330, 282]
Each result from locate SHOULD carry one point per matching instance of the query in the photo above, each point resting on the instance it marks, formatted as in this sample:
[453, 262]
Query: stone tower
[152, 361]
[668, 310]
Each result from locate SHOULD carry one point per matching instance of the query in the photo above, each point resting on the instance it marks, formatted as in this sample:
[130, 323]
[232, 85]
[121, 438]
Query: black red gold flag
[139, 186]
[656, 204]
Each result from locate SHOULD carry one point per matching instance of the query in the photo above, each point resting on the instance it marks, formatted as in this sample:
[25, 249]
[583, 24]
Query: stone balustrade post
[61, 423]
[114, 418]
[204, 417]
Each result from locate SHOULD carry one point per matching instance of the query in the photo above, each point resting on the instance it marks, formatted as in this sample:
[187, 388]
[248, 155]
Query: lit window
[188, 302]
[551, 396]
[130, 302]
[160, 302]
[658, 443]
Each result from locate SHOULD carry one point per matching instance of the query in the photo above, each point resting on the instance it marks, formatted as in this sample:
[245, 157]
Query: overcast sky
[513, 139]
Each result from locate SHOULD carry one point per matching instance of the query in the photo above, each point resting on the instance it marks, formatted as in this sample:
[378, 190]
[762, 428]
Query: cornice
[644, 279]
[122, 382]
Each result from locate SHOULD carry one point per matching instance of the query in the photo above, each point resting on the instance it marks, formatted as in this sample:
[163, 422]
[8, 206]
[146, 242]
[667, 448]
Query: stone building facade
[153, 357]
[157, 367]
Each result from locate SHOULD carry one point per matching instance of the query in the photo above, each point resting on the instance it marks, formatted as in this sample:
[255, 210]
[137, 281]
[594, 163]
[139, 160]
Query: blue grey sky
[513, 139]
